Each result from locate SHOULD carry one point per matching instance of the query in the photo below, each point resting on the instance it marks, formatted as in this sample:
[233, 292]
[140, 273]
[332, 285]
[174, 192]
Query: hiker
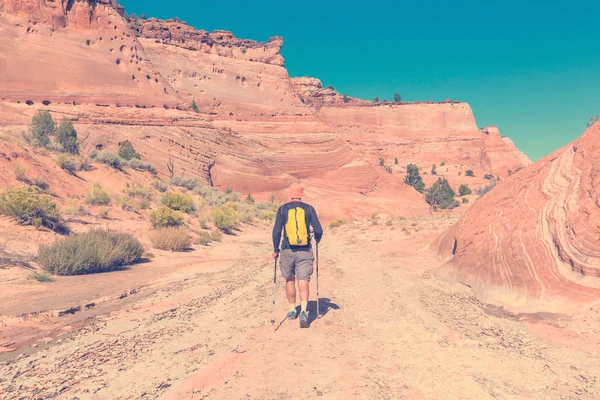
[295, 219]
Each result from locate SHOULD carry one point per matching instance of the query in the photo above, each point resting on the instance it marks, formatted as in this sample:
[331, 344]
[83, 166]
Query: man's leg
[303, 287]
[288, 271]
[304, 269]
[290, 291]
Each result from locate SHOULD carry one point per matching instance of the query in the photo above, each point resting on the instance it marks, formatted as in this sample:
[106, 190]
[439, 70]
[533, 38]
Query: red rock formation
[532, 242]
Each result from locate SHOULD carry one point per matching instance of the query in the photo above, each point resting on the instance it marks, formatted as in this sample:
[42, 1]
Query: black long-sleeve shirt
[282, 215]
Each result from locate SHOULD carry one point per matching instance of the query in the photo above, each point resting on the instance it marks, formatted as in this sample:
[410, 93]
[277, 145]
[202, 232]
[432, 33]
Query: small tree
[469, 173]
[413, 178]
[396, 160]
[441, 195]
[195, 107]
[250, 199]
[376, 99]
[397, 98]
[381, 162]
[346, 99]
[433, 170]
[593, 120]
[488, 177]
[464, 190]
[42, 126]
[66, 136]
[127, 151]
[442, 164]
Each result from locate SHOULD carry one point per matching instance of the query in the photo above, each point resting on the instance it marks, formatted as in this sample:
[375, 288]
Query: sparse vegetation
[217, 236]
[465, 200]
[30, 207]
[127, 152]
[97, 196]
[413, 178]
[90, 252]
[485, 189]
[381, 162]
[111, 159]
[139, 165]
[488, 176]
[250, 199]
[442, 163]
[204, 238]
[441, 195]
[510, 172]
[433, 170]
[376, 99]
[165, 217]
[179, 202]
[85, 164]
[40, 277]
[66, 136]
[40, 182]
[593, 120]
[396, 161]
[20, 172]
[469, 173]
[160, 186]
[42, 126]
[67, 164]
[464, 190]
[336, 224]
[397, 98]
[171, 239]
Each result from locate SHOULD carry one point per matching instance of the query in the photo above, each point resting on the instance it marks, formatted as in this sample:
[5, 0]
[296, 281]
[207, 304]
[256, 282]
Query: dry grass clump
[94, 251]
[29, 206]
[97, 196]
[172, 239]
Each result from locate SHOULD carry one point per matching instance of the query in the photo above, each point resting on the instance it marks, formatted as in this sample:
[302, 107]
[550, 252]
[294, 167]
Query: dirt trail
[389, 330]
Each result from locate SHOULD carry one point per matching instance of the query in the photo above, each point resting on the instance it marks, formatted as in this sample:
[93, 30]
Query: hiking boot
[292, 315]
[304, 320]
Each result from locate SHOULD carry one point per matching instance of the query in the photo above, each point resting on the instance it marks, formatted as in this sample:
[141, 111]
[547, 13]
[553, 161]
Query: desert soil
[388, 330]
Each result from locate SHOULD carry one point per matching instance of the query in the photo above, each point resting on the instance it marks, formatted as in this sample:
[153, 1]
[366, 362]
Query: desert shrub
[85, 164]
[93, 154]
[40, 182]
[30, 207]
[74, 208]
[225, 218]
[94, 251]
[143, 203]
[138, 165]
[20, 172]
[195, 106]
[396, 161]
[442, 163]
[250, 199]
[485, 189]
[42, 126]
[203, 223]
[103, 212]
[97, 196]
[160, 186]
[203, 238]
[510, 172]
[336, 224]
[469, 173]
[247, 217]
[464, 190]
[188, 183]
[433, 170]
[267, 215]
[165, 217]
[381, 162]
[216, 235]
[488, 176]
[43, 277]
[148, 254]
[127, 204]
[440, 195]
[388, 168]
[179, 202]
[67, 164]
[111, 159]
[127, 152]
[66, 136]
[413, 178]
[465, 200]
[138, 191]
[593, 120]
[171, 238]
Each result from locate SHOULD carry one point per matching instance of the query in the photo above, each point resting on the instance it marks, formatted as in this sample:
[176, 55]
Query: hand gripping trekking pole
[274, 289]
[318, 309]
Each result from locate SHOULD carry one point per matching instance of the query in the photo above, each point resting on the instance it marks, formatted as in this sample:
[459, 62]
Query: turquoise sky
[530, 67]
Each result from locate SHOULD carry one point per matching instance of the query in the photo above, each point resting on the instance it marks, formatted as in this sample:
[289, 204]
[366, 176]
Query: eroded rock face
[532, 243]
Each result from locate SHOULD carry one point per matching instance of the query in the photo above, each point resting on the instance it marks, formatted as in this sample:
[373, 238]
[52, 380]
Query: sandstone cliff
[531, 243]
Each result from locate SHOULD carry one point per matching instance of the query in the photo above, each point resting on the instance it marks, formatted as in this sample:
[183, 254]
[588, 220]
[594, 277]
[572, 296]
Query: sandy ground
[388, 330]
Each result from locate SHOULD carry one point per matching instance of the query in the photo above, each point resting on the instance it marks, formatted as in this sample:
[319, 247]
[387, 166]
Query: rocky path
[388, 330]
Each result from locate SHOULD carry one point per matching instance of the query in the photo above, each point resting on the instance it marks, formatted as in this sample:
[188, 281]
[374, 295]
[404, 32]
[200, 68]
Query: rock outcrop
[532, 243]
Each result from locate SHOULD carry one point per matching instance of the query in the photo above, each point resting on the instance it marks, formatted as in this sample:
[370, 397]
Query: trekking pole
[274, 289]
[318, 309]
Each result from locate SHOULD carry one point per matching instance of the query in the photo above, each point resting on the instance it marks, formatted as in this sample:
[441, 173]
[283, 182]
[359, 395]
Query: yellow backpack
[295, 228]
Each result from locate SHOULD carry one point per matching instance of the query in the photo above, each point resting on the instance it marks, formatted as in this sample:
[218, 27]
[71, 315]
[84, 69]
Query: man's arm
[277, 231]
[316, 225]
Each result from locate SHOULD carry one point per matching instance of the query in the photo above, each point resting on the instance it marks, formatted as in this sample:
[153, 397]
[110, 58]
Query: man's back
[283, 214]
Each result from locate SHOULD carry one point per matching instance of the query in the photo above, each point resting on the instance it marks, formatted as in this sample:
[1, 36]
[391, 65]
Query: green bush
[217, 236]
[67, 164]
[336, 224]
[165, 217]
[172, 239]
[111, 159]
[433, 170]
[138, 165]
[396, 160]
[179, 202]
[97, 196]
[247, 217]
[30, 207]
[465, 200]
[160, 186]
[442, 163]
[138, 191]
[94, 251]
[488, 176]
[204, 238]
[469, 173]
[464, 190]
[381, 162]
[413, 178]
[195, 107]
[20, 172]
[42, 126]
[85, 164]
[66, 136]
[43, 277]
[127, 152]
[225, 218]
[250, 199]
[440, 195]
[188, 183]
[127, 204]
[40, 182]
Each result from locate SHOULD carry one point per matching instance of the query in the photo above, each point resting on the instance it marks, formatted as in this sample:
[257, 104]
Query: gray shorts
[297, 264]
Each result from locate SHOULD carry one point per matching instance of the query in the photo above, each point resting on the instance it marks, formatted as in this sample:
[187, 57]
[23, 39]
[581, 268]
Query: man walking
[294, 219]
